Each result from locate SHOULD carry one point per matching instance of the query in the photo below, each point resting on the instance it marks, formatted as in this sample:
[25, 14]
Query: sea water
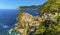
[8, 19]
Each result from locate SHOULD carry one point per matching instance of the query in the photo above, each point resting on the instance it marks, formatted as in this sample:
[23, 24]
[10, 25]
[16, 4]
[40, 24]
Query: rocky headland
[47, 24]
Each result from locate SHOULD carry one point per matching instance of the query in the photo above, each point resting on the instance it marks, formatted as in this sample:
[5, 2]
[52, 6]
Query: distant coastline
[33, 7]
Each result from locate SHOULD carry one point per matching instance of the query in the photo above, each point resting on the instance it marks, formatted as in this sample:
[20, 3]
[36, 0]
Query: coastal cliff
[47, 24]
[26, 22]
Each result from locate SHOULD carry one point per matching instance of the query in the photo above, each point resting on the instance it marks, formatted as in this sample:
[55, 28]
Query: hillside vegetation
[33, 7]
[47, 24]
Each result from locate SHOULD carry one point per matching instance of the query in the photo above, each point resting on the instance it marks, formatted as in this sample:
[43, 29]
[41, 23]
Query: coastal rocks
[15, 33]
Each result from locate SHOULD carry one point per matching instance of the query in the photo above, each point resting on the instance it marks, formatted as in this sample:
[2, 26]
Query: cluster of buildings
[28, 23]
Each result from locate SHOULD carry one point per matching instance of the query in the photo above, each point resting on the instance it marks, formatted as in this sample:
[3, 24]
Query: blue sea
[8, 19]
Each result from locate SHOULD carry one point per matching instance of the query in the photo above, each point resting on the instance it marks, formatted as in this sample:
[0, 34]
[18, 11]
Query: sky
[13, 4]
